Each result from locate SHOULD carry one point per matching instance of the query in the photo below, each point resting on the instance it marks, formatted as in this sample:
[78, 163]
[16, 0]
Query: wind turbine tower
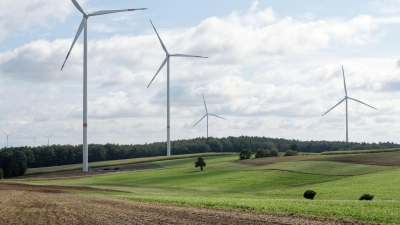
[166, 60]
[7, 137]
[345, 99]
[34, 141]
[83, 26]
[205, 106]
[48, 139]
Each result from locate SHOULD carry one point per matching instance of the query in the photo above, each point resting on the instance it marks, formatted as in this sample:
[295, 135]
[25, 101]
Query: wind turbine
[34, 141]
[7, 137]
[205, 106]
[48, 139]
[166, 60]
[345, 99]
[83, 26]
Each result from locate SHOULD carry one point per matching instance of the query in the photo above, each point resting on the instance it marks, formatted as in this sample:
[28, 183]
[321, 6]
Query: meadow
[273, 184]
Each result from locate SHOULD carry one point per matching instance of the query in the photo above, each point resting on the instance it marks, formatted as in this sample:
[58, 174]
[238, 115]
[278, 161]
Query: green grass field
[53, 169]
[276, 187]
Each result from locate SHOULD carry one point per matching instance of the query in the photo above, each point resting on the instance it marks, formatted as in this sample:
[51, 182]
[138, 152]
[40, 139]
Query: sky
[274, 68]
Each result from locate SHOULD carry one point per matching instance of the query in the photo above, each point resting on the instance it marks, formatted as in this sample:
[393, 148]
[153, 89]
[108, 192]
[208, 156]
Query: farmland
[272, 185]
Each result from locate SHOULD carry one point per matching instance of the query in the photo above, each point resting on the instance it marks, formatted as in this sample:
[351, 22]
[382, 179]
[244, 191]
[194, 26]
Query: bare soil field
[379, 159]
[25, 204]
[278, 159]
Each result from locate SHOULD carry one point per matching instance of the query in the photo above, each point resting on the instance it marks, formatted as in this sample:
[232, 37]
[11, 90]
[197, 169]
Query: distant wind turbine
[345, 99]
[7, 137]
[205, 106]
[83, 26]
[34, 141]
[166, 60]
[48, 139]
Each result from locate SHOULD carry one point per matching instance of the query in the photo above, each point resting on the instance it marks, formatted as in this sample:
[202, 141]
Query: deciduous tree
[200, 163]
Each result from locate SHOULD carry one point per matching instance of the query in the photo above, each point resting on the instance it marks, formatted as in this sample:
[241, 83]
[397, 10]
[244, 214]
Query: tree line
[13, 160]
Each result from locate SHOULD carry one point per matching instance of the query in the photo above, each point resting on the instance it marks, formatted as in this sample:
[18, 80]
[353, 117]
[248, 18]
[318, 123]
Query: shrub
[260, 153]
[273, 153]
[309, 194]
[1, 174]
[245, 154]
[366, 197]
[291, 153]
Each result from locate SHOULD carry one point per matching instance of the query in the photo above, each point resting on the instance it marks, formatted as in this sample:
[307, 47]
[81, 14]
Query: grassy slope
[275, 187]
[52, 169]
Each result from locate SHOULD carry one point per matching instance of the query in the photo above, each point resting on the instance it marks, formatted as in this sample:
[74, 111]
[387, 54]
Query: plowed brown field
[379, 159]
[25, 204]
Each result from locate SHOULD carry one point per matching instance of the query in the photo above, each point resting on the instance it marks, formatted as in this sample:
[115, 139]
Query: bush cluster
[309, 194]
[245, 154]
[1, 174]
[366, 197]
[291, 153]
[261, 153]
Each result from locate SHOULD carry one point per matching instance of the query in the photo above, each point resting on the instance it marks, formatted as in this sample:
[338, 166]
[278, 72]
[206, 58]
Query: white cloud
[268, 75]
[39, 61]
[20, 15]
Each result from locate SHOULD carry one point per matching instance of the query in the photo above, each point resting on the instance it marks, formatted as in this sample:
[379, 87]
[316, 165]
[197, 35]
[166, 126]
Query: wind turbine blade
[217, 116]
[76, 37]
[102, 12]
[162, 65]
[44, 136]
[205, 106]
[51, 135]
[78, 7]
[162, 44]
[362, 102]
[200, 120]
[344, 80]
[5, 133]
[334, 106]
[182, 55]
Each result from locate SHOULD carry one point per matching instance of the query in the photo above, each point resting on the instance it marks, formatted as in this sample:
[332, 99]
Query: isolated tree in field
[200, 163]
[245, 154]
